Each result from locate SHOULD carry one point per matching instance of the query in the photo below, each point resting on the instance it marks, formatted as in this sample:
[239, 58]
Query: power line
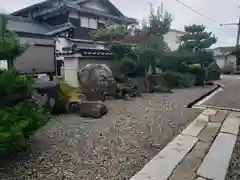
[199, 13]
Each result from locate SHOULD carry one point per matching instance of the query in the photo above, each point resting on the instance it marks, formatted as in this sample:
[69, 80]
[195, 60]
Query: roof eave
[28, 8]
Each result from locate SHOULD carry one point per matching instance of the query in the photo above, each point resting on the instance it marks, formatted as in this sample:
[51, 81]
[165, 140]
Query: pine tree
[196, 42]
[157, 25]
[196, 38]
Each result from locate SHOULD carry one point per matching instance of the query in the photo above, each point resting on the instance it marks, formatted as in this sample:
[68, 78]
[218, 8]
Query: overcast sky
[222, 11]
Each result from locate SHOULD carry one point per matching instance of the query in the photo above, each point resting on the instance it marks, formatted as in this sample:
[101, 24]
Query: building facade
[224, 56]
[71, 20]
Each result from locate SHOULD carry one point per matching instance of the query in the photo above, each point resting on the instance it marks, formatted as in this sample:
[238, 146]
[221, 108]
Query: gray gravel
[114, 147]
[234, 167]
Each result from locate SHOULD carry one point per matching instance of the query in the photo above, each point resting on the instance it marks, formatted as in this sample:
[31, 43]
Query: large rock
[97, 81]
[95, 109]
[213, 72]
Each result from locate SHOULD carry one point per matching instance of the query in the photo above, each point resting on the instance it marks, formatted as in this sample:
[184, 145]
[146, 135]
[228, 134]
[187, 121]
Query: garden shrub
[179, 80]
[127, 65]
[14, 87]
[199, 72]
[172, 78]
[18, 123]
[213, 72]
[19, 117]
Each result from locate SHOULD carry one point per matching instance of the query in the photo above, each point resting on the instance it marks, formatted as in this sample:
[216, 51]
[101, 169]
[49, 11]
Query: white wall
[172, 38]
[70, 71]
[222, 61]
[61, 42]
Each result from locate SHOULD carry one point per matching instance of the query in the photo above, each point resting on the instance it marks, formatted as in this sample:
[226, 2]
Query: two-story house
[71, 20]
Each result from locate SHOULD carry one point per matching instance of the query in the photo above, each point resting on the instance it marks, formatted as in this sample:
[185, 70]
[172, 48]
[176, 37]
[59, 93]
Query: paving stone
[231, 124]
[162, 165]
[209, 132]
[195, 128]
[216, 162]
[203, 117]
[219, 117]
[186, 170]
[210, 112]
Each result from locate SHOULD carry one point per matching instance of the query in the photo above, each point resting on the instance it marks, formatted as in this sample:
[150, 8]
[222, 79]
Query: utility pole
[238, 33]
[237, 42]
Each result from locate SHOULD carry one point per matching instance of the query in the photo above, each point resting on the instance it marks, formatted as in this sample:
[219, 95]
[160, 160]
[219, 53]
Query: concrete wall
[222, 61]
[70, 71]
[84, 62]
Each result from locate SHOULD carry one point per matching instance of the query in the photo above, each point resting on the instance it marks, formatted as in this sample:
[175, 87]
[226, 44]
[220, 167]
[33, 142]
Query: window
[89, 22]
[84, 22]
[93, 23]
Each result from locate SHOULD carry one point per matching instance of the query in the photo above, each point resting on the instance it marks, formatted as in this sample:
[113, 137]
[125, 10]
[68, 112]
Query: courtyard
[114, 147]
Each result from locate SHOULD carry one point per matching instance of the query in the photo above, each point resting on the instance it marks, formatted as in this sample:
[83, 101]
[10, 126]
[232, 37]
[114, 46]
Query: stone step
[231, 124]
[163, 164]
[216, 162]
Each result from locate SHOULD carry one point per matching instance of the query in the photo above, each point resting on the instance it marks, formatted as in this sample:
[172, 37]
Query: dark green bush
[199, 72]
[14, 87]
[127, 65]
[172, 78]
[20, 117]
[179, 80]
[18, 123]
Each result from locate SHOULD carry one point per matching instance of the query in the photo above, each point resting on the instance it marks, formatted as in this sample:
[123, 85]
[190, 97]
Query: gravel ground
[230, 96]
[234, 167]
[114, 147]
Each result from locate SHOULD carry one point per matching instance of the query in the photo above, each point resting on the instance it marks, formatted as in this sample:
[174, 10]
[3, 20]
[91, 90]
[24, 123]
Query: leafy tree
[152, 46]
[10, 46]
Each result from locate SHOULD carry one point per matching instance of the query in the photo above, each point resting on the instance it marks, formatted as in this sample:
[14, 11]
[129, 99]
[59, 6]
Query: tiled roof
[60, 28]
[19, 24]
[24, 25]
[86, 52]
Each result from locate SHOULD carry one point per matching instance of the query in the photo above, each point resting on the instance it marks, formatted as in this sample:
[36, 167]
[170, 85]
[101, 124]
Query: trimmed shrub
[188, 80]
[18, 123]
[14, 87]
[172, 78]
[199, 72]
[178, 80]
[213, 72]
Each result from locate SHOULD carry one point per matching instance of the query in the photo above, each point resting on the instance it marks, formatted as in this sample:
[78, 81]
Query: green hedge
[199, 72]
[20, 117]
[179, 80]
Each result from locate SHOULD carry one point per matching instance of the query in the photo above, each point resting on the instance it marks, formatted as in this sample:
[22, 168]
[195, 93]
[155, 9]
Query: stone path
[201, 152]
